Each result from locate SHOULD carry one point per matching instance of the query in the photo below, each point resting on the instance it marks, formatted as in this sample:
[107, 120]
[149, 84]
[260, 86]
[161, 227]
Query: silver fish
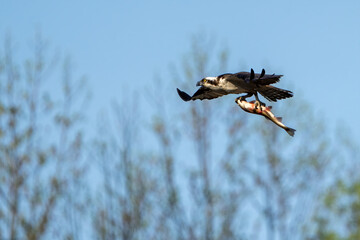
[264, 111]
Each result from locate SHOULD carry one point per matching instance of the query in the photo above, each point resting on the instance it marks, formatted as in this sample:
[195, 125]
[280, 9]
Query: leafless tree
[286, 174]
[40, 147]
[205, 208]
[337, 213]
[125, 200]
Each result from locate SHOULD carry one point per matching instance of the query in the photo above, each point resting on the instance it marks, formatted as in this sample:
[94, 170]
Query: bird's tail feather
[272, 93]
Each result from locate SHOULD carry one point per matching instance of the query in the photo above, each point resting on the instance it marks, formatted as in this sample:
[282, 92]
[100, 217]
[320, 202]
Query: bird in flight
[242, 82]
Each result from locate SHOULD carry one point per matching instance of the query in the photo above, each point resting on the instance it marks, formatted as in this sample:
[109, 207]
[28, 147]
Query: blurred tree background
[212, 171]
[41, 146]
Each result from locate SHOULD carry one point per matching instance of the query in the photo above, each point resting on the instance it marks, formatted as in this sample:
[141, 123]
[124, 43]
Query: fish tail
[290, 131]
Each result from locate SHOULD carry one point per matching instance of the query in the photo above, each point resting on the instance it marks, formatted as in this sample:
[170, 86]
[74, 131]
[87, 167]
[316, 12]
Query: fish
[263, 111]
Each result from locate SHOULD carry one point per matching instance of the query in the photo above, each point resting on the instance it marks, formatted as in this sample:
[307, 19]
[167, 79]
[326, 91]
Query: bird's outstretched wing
[257, 78]
[202, 93]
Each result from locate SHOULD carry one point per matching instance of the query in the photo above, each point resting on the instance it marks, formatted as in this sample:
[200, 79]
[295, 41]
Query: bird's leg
[258, 103]
[243, 98]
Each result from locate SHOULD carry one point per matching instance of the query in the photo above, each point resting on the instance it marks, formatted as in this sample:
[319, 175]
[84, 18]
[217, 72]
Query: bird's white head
[208, 82]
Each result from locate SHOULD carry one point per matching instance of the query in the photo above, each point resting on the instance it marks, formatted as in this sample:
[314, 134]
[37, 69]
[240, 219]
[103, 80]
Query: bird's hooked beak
[200, 83]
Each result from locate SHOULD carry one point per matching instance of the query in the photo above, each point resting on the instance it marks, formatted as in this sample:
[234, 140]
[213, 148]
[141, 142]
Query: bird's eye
[204, 80]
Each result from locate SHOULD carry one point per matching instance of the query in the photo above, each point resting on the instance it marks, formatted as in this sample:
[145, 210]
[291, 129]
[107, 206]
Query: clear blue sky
[122, 45]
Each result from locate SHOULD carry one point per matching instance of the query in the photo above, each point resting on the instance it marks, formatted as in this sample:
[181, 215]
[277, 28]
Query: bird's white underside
[223, 84]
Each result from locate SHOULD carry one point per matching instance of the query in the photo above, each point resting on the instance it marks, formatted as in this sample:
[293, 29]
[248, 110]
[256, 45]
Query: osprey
[242, 82]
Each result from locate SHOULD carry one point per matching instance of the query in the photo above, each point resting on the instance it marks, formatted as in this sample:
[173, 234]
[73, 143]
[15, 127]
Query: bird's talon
[241, 98]
[258, 105]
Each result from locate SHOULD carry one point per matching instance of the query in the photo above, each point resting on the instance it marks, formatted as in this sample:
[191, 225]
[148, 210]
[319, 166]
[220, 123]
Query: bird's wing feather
[267, 79]
[184, 96]
[272, 93]
[259, 78]
[206, 93]
[202, 93]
